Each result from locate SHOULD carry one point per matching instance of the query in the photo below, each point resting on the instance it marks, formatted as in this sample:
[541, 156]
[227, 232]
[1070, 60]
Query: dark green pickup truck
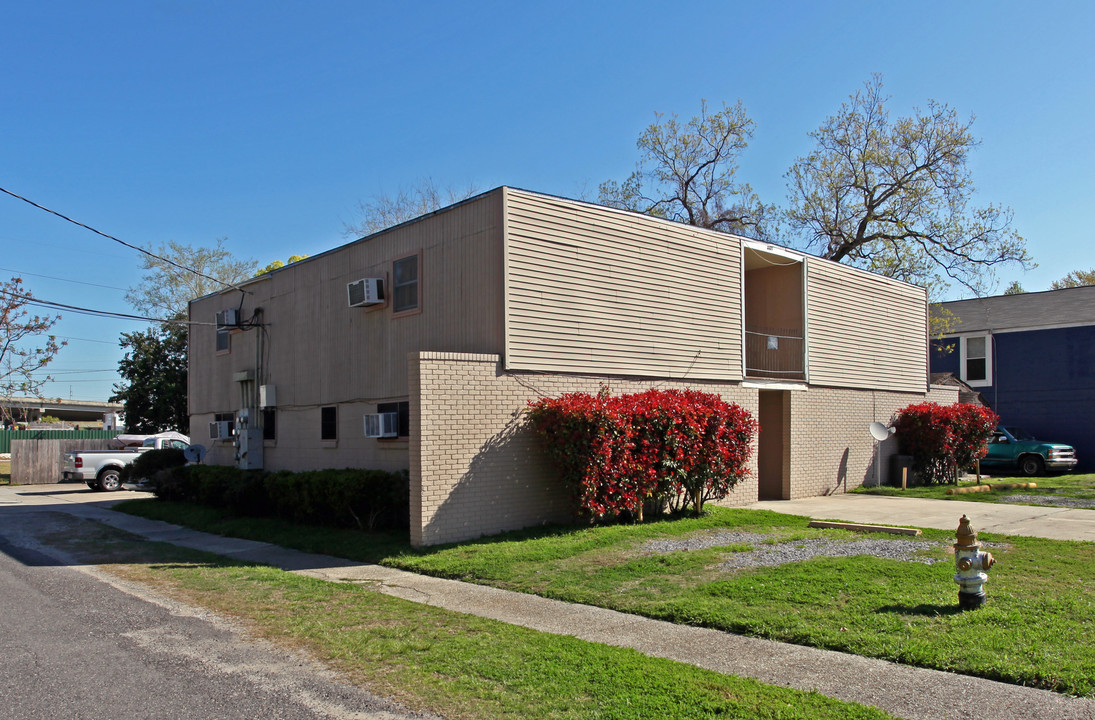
[1012, 448]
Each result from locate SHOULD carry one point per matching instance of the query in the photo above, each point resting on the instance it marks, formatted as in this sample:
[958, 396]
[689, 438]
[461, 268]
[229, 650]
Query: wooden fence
[40, 461]
[7, 436]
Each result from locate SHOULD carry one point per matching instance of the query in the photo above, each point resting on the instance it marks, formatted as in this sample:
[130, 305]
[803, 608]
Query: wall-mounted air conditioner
[382, 425]
[268, 396]
[220, 430]
[228, 319]
[367, 291]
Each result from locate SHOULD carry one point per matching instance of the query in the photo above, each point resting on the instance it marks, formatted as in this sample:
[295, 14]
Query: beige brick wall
[831, 447]
[476, 467]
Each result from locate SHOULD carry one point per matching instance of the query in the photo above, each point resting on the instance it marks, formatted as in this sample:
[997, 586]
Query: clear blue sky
[267, 122]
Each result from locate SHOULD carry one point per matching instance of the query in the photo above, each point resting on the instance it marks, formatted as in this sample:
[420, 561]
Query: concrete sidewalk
[901, 690]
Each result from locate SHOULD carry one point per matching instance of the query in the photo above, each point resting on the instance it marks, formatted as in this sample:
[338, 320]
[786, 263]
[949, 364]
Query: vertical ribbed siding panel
[594, 290]
[865, 331]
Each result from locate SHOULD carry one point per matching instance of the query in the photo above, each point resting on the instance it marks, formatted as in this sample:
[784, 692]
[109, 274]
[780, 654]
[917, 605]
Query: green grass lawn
[454, 664]
[5, 472]
[1050, 488]
[1037, 627]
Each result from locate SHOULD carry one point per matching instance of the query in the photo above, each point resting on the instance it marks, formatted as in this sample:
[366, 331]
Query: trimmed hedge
[656, 449]
[943, 438]
[357, 499]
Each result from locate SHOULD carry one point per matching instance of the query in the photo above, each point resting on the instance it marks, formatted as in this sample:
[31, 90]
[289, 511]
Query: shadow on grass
[926, 609]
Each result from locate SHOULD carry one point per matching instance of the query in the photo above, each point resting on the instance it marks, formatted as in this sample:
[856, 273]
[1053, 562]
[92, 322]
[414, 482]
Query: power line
[50, 277]
[30, 300]
[122, 242]
[104, 342]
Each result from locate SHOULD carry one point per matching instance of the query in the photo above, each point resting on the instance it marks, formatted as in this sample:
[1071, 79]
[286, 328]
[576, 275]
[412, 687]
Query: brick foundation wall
[831, 447]
[477, 469]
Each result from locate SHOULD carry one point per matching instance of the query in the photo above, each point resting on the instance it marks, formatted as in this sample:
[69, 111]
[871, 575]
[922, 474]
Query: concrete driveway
[1007, 519]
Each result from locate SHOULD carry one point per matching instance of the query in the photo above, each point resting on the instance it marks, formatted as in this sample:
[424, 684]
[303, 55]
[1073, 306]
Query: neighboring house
[514, 295]
[1032, 358]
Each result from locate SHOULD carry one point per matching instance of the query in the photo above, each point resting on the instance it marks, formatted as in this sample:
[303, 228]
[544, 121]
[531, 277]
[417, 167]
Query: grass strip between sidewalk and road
[1037, 627]
[426, 658]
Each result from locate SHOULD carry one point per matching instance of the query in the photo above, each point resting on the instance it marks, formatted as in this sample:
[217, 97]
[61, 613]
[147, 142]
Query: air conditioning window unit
[367, 291]
[228, 318]
[220, 430]
[382, 425]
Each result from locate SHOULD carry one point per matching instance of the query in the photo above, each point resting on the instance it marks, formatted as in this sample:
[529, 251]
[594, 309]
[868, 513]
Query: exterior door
[773, 473]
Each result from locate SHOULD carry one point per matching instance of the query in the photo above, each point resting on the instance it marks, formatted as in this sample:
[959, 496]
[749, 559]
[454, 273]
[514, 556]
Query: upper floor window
[227, 322]
[224, 340]
[976, 360]
[405, 285]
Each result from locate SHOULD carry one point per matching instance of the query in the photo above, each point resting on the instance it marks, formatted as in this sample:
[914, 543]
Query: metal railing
[775, 353]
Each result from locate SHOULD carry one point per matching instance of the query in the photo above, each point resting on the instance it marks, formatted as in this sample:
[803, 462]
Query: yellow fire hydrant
[971, 564]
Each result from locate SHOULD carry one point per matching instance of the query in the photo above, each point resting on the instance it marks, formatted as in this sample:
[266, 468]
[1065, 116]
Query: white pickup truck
[102, 469]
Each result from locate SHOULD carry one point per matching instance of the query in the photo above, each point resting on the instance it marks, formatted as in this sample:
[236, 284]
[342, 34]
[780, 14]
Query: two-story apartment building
[513, 295]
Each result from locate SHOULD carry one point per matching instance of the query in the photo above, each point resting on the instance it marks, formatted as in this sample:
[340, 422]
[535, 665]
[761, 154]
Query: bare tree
[166, 289]
[687, 173]
[893, 197]
[387, 210]
[20, 360]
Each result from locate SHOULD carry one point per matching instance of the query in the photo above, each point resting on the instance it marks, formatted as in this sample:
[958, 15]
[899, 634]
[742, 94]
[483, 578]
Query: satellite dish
[194, 453]
[880, 432]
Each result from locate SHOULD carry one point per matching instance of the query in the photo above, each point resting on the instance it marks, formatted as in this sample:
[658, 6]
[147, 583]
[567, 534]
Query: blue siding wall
[1044, 382]
[943, 361]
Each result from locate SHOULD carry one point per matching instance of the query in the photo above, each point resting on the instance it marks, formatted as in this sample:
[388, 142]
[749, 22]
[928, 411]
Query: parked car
[102, 469]
[1012, 448]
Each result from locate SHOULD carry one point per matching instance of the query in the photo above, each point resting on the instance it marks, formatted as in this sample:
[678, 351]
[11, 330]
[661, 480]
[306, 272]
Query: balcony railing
[775, 353]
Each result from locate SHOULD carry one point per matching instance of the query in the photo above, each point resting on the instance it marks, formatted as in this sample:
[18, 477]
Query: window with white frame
[977, 360]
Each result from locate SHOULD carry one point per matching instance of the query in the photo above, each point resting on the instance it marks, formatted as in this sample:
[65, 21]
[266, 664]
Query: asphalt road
[76, 643]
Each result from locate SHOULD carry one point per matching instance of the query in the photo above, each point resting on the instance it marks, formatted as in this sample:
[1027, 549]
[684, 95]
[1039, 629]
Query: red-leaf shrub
[660, 447]
[943, 438]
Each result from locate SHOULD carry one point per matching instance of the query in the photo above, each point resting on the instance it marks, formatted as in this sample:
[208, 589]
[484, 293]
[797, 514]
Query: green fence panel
[6, 436]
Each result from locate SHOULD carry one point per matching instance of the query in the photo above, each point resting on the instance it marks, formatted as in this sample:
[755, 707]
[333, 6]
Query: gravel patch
[1046, 500]
[767, 555]
[799, 550]
[703, 540]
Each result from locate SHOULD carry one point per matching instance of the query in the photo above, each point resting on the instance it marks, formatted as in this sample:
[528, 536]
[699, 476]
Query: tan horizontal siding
[592, 290]
[865, 331]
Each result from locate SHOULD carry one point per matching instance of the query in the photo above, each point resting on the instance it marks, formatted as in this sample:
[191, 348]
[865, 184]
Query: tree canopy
[26, 347]
[1076, 278]
[277, 264]
[385, 210]
[166, 289]
[154, 373]
[687, 173]
[894, 196]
